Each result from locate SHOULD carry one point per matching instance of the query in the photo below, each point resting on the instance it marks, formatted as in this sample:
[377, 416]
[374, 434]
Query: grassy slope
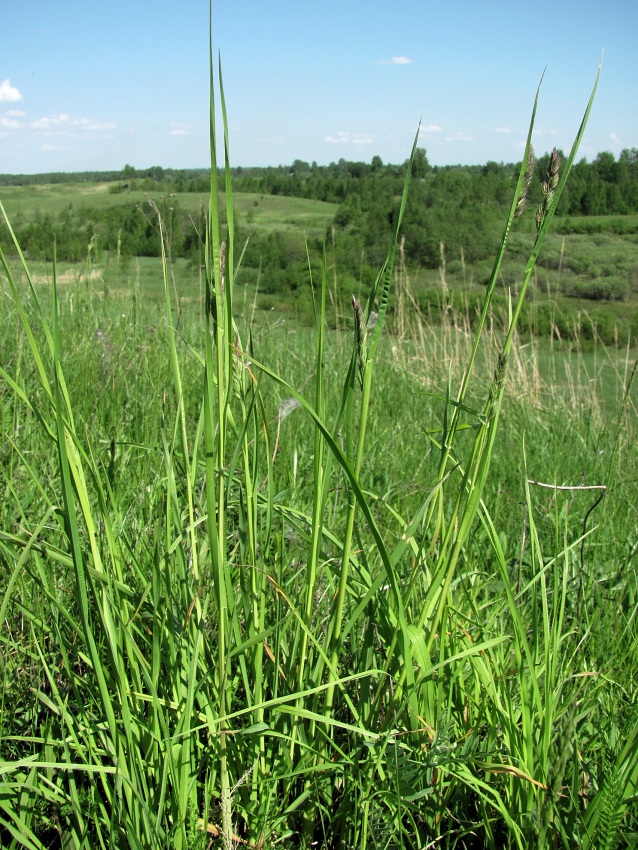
[573, 261]
[566, 428]
[267, 211]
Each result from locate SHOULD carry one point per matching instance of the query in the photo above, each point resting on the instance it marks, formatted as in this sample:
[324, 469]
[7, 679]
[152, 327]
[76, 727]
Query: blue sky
[95, 85]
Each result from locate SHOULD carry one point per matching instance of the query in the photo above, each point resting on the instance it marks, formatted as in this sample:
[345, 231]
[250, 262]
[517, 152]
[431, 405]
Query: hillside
[451, 228]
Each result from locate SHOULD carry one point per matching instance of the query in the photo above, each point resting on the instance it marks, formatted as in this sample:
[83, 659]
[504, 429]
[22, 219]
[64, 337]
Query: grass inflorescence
[288, 586]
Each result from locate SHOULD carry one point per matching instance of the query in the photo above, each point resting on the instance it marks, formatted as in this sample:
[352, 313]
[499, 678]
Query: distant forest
[460, 207]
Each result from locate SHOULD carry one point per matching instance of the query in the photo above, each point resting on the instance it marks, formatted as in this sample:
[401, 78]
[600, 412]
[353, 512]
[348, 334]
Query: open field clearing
[584, 286]
[263, 211]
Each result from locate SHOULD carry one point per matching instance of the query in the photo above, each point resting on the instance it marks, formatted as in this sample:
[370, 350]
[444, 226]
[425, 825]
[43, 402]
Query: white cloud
[502, 130]
[63, 124]
[9, 93]
[87, 124]
[396, 60]
[51, 148]
[615, 139]
[177, 129]
[9, 123]
[46, 123]
[430, 128]
[459, 137]
[15, 113]
[362, 139]
[344, 138]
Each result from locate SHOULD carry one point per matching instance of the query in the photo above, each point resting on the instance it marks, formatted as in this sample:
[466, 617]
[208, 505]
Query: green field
[585, 285]
[263, 211]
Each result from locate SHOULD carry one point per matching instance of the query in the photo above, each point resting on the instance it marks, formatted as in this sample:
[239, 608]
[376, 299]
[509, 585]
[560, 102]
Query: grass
[263, 211]
[277, 212]
[281, 585]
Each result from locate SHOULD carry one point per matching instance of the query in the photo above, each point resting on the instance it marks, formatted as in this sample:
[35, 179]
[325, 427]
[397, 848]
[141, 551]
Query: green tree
[420, 166]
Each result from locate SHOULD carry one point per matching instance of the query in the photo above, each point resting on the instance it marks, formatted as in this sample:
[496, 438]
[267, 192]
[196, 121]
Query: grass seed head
[553, 170]
[548, 187]
[500, 376]
[527, 179]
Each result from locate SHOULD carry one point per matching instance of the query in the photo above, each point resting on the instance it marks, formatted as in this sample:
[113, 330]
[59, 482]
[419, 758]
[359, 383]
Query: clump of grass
[220, 649]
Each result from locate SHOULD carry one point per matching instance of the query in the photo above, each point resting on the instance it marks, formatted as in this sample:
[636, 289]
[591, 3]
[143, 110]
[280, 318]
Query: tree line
[605, 186]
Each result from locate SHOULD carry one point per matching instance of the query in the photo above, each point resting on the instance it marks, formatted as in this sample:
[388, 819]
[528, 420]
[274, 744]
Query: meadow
[585, 283]
[265, 211]
[358, 570]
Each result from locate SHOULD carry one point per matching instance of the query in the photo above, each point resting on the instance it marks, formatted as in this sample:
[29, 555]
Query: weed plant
[259, 585]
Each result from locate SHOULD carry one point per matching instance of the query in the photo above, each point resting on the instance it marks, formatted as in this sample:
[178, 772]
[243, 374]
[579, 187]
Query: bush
[612, 288]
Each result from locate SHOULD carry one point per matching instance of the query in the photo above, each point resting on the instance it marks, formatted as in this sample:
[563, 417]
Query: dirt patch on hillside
[70, 276]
